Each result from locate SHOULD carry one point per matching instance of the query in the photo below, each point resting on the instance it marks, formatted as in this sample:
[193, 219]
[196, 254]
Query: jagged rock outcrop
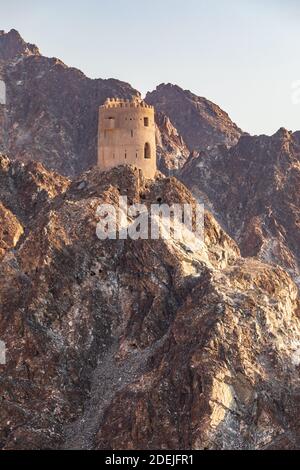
[26, 188]
[13, 45]
[142, 344]
[172, 151]
[253, 189]
[10, 230]
[225, 376]
[52, 110]
[201, 123]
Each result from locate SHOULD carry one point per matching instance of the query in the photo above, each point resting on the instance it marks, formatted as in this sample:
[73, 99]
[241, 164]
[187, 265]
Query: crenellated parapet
[125, 103]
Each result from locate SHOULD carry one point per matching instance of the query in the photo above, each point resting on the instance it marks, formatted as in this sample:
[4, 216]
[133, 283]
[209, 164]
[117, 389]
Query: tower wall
[3, 117]
[126, 135]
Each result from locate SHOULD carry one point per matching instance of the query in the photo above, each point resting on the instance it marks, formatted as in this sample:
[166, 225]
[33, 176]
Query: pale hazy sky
[242, 54]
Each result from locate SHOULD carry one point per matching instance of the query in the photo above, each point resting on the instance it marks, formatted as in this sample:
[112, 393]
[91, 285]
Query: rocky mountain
[52, 110]
[201, 123]
[13, 45]
[51, 113]
[147, 344]
[253, 189]
[172, 151]
[26, 188]
[10, 230]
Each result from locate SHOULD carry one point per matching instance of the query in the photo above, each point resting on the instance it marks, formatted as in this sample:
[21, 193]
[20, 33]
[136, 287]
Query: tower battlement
[125, 103]
[126, 135]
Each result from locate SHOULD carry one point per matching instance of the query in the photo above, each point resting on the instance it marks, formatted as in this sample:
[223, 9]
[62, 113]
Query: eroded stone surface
[253, 189]
[10, 230]
[142, 344]
[201, 123]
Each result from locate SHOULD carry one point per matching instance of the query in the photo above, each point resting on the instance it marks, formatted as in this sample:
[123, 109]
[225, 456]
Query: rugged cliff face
[10, 230]
[139, 344]
[172, 151]
[13, 45]
[200, 122]
[26, 188]
[144, 344]
[253, 188]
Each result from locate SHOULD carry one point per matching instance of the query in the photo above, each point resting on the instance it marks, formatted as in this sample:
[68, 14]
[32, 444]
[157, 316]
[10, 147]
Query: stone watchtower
[126, 135]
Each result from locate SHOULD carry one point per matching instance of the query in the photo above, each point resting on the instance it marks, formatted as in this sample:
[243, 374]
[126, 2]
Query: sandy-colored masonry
[126, 135]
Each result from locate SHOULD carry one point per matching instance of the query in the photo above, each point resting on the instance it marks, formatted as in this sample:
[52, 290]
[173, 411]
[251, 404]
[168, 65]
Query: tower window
[110, 123]
[147, 150]
[125, 155]
[146, 122]
[131, 133]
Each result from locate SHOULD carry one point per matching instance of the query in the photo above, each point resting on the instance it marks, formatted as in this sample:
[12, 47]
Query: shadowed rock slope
[253, 189]
[13, 45]
[146, 344]
[172, 151]
[201, 123]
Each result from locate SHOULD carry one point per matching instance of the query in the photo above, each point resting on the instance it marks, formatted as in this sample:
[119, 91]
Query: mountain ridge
[201, 122]
[13, 45]
[52, 113]
[140, 344]
[253, 189]
[143, 344]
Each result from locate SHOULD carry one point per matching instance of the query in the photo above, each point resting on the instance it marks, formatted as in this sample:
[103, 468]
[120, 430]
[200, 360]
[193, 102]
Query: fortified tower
[126, 135]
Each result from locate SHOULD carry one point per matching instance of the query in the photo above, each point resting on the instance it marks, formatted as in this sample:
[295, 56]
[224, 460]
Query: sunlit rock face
[123, 344]
[200, 122]
[172, 151]
[10, 230]
[253, 189]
